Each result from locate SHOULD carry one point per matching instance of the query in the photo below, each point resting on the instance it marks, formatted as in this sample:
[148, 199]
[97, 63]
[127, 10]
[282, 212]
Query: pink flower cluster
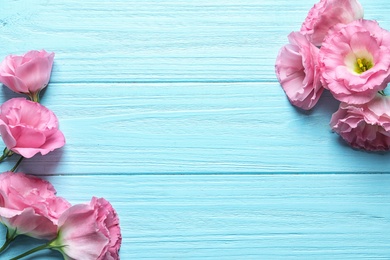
[27, 127]
[29, 205]
[336, 50]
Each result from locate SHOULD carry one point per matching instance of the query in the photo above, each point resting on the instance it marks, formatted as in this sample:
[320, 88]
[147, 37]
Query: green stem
[8, 239]
[48, 245]
[17, 164]
[31, 251]
[6, 153]
[382, 92]
[34, 96]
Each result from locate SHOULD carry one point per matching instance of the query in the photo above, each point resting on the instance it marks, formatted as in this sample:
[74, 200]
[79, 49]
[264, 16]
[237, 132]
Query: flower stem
[6, 153]
[48, 245]
[8, 239]
[34, 96]
[31, 251]
[17, 164]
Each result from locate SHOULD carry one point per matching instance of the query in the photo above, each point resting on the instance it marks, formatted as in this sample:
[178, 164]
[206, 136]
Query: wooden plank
[193, 128]
[115, 126]
[158, 41]
[150, 40]
[166, 105]
[243, 217]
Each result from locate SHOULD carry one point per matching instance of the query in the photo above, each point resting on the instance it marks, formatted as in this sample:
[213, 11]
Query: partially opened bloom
[354, 61]
[297, 71]
[89, 232]
[327, 13]
[364, 126]
[27, 74]
[28, 128]
[29, 206]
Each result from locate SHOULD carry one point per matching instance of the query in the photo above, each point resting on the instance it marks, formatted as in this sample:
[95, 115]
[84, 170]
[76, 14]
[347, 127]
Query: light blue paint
[172, 111]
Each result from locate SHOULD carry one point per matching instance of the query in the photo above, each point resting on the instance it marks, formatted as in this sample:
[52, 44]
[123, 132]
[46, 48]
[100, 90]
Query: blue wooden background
[172, 111]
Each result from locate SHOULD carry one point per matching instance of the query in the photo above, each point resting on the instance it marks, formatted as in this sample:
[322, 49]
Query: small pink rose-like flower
[354, 61]
[298, 73]
[28, 128]
[27, 74]
[327, 13]
[89, 232]
[29, 206]
[365, 126]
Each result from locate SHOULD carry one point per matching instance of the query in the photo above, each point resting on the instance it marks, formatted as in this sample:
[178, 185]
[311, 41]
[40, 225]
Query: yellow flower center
[363, 65]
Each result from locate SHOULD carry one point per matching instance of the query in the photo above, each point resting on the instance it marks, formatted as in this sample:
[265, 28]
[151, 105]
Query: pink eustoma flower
[354, 61]
[365, 126]
[29, 206]
[89, 232]
[327, 13]
[28, 128]
[298, 73]
[27, 74]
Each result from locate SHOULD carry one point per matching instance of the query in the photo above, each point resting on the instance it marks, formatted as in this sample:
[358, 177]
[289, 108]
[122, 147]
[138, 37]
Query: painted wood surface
[314, 216]
[172, 111]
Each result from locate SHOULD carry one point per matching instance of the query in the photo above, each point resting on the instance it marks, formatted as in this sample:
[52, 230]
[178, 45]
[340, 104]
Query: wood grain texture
[206, 99]
[158, 41]
[243, 216]
[194, 128]
[172, 111]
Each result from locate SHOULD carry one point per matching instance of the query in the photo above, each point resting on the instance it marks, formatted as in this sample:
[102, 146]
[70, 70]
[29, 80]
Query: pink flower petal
[28, 73]
[326, 14]
[28, 205]
[29, 223]
[338, 61]
[365, 126]
[90, 231]
[298, 73]
[80, 234]
[28, 128]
